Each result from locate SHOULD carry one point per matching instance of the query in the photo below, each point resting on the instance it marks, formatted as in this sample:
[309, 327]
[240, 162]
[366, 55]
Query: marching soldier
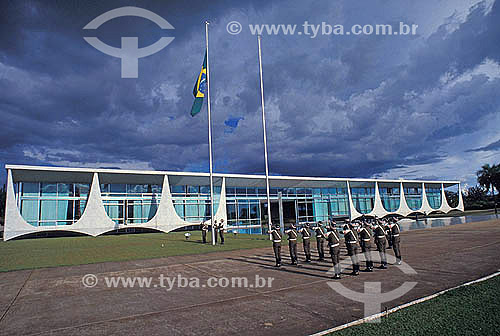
[354, 227]
[365, 241]
[395, 231]
[306, 241]
[320, 238]
[292, 243]
[275, 233]
[334, 245]
[388, 233]
[204, 230]
[352, 248]
[221, 231]
[379, 234]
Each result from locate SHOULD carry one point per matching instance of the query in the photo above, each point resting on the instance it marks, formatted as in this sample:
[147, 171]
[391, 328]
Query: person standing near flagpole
[202, 87]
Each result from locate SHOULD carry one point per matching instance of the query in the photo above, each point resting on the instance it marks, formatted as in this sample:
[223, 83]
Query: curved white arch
[352, 209]
[445, 207]
[95, 220]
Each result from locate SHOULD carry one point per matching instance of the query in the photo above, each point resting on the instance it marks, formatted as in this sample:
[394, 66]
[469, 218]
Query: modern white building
[96, 201]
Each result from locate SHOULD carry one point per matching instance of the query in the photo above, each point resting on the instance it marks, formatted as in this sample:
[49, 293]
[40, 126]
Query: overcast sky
[424, 106]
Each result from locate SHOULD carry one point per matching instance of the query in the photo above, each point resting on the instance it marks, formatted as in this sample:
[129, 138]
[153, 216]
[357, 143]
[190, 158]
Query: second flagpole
[210, 141]
[265, 139]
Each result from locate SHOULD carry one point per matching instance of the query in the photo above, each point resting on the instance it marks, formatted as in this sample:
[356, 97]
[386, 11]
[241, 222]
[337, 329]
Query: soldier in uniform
[352, 248]
[204, 230]
[306, 241]
[292, 243]
[387, 229]
[221, 231]
[379, 234]
[215, 228]
[395, 231]
[320, 238]
[365, 241]
[276, 236]
[334, 244]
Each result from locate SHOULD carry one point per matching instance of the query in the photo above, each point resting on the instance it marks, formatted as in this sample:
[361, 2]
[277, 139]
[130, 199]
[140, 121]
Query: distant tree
[495, 177]
[485, 176]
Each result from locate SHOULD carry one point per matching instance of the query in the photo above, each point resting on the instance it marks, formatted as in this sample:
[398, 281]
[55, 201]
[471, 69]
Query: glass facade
[451, 194]
[51, 204]
[413, 195]
[192, 203]
[247, 207]
[55, 203]
[363, 197]
[390, 196]
[433, 193]
[131, 203]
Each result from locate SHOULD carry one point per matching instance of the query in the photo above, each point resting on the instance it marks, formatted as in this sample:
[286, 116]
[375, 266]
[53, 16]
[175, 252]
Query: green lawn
[470, 310]
[50, 252]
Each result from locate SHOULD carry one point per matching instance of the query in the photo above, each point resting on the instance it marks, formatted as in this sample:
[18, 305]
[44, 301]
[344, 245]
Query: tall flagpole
[265, 138]
[210, 140]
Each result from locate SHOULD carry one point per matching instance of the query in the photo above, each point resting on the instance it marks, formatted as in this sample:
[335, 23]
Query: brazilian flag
[200, 88]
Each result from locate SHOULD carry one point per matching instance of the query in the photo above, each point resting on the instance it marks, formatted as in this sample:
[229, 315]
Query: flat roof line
[160, 172]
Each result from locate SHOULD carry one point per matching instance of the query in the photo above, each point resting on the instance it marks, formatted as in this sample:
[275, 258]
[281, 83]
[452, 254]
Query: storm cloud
[349, 106]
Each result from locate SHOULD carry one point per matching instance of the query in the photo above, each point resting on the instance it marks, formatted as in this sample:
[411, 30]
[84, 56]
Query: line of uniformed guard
[358, 235]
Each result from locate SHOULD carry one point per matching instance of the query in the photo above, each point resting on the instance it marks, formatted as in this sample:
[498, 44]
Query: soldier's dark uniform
[379, 234]
[334, 245]
[395, 231]
[221, 231]
[275, 233]
[204, 230]
[365, 241]
[320, 238]
[292, 243]
[388, 234]
[352, 245]
[306, 241]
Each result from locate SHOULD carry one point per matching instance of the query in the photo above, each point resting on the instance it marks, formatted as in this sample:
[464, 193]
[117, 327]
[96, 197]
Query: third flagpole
[265, 138]
[210, 140]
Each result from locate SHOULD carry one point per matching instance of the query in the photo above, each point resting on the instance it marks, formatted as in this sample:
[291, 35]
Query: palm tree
[485, 176]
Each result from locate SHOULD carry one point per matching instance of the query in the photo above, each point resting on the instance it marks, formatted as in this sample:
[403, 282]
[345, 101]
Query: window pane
[30, 189]
[29, 210]
[48, 210]
[49, 189]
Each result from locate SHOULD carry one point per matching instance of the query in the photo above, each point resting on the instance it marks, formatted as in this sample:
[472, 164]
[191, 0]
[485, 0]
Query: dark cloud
[490, 147]
[336, 105]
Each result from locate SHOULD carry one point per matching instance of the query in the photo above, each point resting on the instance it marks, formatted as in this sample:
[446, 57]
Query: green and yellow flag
[200, 88]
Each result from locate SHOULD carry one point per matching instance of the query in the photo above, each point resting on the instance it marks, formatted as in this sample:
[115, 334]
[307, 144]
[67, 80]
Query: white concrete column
[378, 208]
[404, 209]
[425, 208]
[354, 213]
